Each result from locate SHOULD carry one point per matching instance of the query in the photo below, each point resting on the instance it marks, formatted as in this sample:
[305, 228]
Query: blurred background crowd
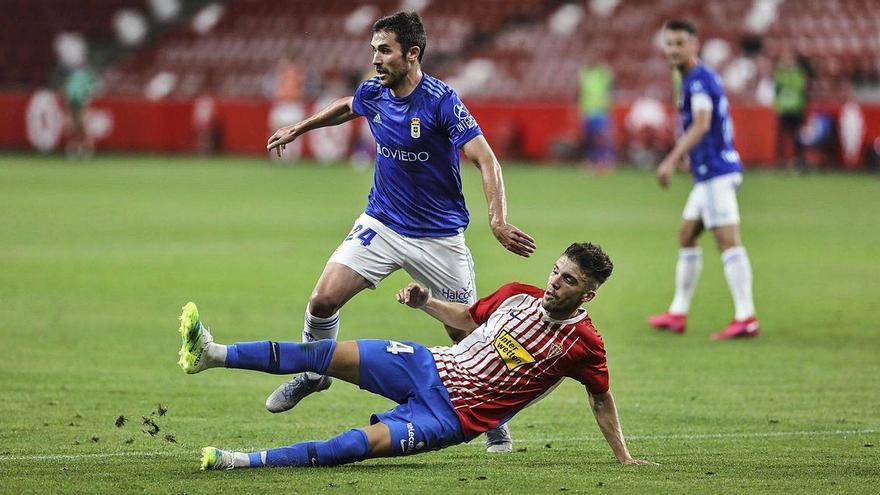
[549, 80]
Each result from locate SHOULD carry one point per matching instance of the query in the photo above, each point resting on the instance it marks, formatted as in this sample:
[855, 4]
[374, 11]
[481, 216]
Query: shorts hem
[725, 224]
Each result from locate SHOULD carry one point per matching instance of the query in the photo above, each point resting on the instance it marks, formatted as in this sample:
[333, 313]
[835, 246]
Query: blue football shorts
[405, 373]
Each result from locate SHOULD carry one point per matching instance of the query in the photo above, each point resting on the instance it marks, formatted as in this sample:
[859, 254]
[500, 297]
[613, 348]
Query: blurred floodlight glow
[160, 85]
[165, 10]
[413, 5]
[565, 20]
[738, 74]
[646, 112]
[207, 18]
[762, 14]
[71, 49]
[474, 76]
[603, 8]
[363, 17]
[715, 52]
[130, 26]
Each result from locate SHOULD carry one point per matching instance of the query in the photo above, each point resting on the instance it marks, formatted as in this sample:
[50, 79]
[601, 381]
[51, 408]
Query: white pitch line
[754, 435]
[674, 436]
[710, 436]
[98, 455]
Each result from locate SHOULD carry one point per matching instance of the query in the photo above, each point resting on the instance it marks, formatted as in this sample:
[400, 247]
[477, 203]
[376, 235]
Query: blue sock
[281, 358]
[351, 446]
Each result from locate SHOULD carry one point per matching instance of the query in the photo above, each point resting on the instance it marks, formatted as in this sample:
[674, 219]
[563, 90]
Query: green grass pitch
[96, 259]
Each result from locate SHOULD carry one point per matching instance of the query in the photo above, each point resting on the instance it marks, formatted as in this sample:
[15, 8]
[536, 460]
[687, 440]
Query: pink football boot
[739, 329]
[668, 321]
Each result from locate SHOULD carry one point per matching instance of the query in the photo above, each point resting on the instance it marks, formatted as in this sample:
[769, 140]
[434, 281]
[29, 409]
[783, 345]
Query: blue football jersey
[714, 155]
[417, 184]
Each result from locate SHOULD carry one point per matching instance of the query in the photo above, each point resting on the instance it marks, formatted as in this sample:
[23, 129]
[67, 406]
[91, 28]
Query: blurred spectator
[79, 85]
[363, 147]
[596, 84]
[817, 138]
[873, 156]
[648, 130]
[742, 76]
[790, 103]
[206, 125]
[284, 87]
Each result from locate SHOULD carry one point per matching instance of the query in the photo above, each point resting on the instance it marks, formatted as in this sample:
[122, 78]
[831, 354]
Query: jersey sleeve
[697, 86]
[457, 120]
[484, 307]
[701, 101]
[357, 102]
[592, 368]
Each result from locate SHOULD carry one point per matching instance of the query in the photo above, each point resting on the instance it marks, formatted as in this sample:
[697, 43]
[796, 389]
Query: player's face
[389, 60]
[679, 47]
[567, 288]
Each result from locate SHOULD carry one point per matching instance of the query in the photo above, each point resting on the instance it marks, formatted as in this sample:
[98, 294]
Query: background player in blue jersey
[707, 143]
[416, 214]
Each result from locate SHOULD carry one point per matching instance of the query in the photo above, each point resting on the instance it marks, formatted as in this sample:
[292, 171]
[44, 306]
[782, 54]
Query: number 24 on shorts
[364, 235]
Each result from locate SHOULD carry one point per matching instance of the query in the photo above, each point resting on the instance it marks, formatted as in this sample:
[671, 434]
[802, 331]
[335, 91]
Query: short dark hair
[590, 258]
[408, 28]
[680, 25]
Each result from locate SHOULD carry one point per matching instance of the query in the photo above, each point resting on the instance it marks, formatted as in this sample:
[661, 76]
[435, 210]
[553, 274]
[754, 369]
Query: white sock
[241, 460]
[687, 273]
[738, 271]
[215, 355]
[315, 328]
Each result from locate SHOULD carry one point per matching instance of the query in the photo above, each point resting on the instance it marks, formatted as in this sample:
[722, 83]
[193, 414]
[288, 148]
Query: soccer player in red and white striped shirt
[522, 341]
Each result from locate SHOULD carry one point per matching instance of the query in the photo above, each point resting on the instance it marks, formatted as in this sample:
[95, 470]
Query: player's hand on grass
[638, 462]
[413, 295]
[664, 172]
[281, 138]
[514, 240]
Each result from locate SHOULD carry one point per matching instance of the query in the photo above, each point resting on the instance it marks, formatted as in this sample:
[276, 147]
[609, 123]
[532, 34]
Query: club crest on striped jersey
[511, 351]
[415, 128]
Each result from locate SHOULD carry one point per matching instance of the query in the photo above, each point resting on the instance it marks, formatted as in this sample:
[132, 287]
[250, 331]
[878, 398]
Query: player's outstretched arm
[514, 240]
[335, 113]
[605, 412]
[455, 315]
[700, 126]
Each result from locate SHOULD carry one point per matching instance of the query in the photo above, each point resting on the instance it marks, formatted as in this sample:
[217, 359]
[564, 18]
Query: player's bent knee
[323, 305]
[688, 236]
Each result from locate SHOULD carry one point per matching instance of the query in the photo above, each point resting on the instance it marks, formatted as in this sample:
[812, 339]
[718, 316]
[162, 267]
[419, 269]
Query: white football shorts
[714, 201]
[443, 264]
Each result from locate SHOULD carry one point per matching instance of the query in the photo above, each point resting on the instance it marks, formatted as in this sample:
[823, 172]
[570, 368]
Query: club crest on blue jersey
[415, 128]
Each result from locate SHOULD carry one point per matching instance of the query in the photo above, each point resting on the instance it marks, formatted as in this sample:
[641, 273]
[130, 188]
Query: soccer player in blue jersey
[415, 216]
[707, 143]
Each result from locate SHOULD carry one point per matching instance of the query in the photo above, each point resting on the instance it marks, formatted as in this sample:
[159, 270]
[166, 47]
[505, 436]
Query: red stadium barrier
[528, 130]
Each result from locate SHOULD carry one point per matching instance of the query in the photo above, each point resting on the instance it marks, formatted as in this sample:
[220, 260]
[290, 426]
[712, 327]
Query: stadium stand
[491, 49]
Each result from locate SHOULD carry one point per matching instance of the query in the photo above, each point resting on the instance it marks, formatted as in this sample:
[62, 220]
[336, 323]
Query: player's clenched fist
[281, 137]
[413, 295]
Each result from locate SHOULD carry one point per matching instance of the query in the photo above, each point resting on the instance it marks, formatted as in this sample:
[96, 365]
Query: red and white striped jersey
[516, 355]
